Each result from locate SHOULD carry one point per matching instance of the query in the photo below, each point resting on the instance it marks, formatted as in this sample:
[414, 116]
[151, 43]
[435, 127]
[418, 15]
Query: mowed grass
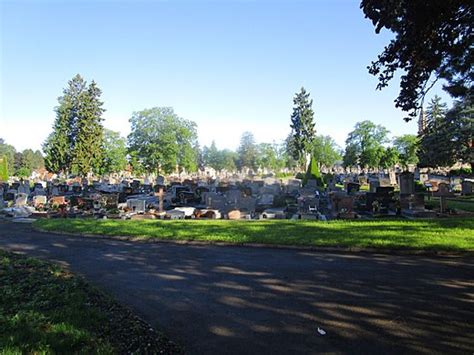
[461, 203]
[455, 234]
[46, 310]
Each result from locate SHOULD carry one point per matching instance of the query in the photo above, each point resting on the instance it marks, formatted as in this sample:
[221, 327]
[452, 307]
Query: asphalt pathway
[242, 300]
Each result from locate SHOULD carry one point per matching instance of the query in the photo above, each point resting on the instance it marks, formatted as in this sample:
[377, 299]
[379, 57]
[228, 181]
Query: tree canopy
[433, 40]
[364, 145]
[406, 146]
[325, 151]
[162, 141]
[115, 152]
[219, 159]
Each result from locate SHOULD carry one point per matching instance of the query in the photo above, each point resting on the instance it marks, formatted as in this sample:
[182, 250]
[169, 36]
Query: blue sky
[230, 66]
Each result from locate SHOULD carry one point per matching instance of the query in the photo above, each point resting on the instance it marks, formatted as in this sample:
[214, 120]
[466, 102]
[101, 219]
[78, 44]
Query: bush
[460, 172]
[419, 187]
[300, 176]
[284, 175]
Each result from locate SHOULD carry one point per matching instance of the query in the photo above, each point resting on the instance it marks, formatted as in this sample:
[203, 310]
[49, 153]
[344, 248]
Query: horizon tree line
[162, 142]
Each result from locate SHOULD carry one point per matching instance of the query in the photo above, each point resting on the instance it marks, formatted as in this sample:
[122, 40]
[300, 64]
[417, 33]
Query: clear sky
[230, 66]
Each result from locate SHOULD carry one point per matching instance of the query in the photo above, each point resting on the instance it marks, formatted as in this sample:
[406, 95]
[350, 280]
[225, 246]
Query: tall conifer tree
[75, 145]
[302, 126]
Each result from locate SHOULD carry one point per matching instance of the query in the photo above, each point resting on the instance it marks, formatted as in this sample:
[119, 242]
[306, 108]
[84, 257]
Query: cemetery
[244, 200]
[211, 177]
[238, 197]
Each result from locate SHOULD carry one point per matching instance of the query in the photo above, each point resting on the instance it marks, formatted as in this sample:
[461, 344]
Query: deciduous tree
[433, 40]
[364, 145]
[115, 152]
[406, 146]
[162, 141]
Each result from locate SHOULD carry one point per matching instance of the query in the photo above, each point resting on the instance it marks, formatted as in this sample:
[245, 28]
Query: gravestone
[342, 205]
[54, 190]
[233, 197]
[467, 188]
[21, 199]
[373, 184]
[293, 186]
[136, 205]
[265, 199]
[406, 181]
[214, 201]
[352, 188]
[160, 180]
[392, 177]
[39, 201]
[247, 203]
[443, 192]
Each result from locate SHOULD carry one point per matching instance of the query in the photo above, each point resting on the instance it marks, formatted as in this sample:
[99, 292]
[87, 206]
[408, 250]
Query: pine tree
[87, 152]
[75, 145]
[302, 126]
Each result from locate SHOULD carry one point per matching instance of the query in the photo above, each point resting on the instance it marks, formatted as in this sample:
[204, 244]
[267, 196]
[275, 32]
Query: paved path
[218, 300]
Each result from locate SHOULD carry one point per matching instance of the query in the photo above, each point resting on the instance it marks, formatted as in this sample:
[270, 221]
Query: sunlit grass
[45, 310]
[465, 203]
[435, 234]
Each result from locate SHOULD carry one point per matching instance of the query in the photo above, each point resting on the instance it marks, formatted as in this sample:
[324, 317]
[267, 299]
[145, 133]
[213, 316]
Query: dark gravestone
[122, 197]
[10, 196]
[406, 180]
[352, 188]
[147, 189]
[467, 187]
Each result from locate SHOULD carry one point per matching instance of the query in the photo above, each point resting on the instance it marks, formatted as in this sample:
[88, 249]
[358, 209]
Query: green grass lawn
[463, 203]
[454, 234]
[46, 310]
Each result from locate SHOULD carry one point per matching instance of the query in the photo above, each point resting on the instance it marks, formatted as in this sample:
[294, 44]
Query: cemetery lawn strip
[460, 203]
[45, 309]
[450, 234]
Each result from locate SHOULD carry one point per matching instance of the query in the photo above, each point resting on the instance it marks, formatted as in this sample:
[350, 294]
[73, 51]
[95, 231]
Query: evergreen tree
[302, 126]
[75, 145]
[4, 169]
[8, 151]
[448, 137]
[435, 148]
[88, 142]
